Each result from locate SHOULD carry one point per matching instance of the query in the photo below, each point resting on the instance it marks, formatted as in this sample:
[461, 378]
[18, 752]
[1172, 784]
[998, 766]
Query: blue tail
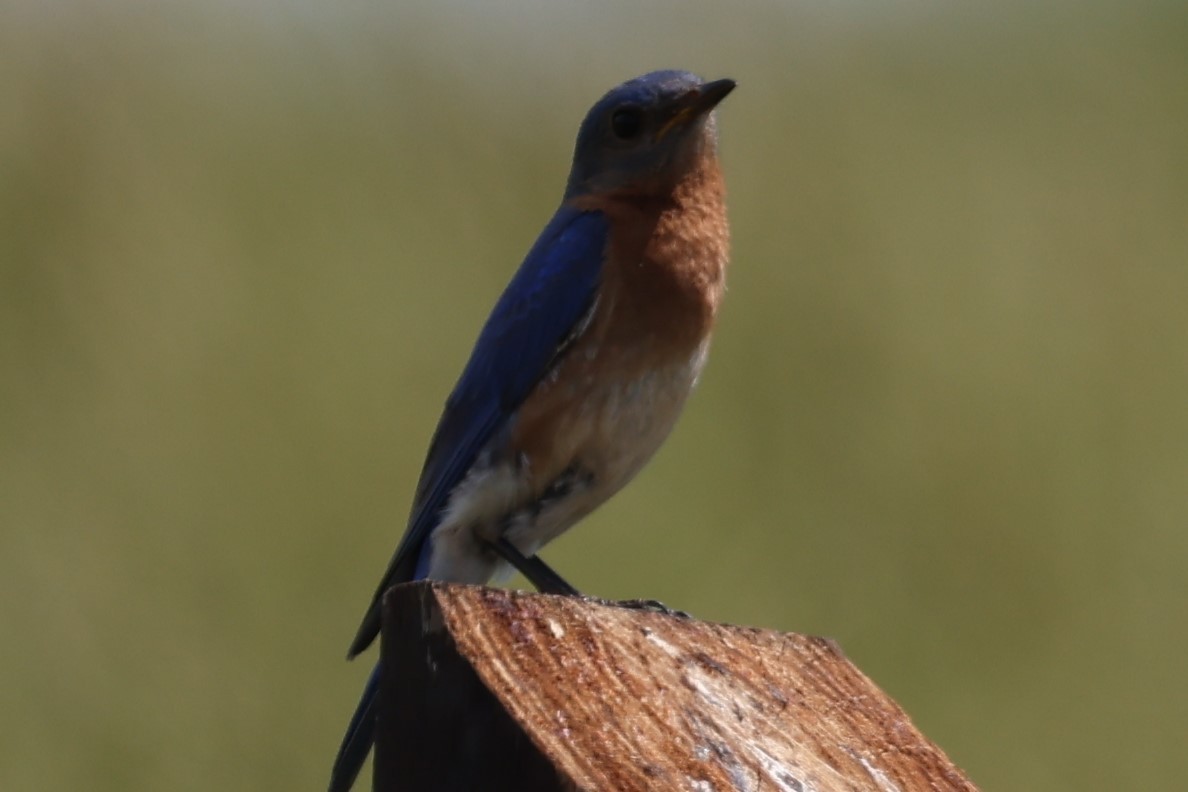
[359, 737]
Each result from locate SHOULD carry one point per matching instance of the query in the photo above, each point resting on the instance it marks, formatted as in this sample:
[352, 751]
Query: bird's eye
[627, 122]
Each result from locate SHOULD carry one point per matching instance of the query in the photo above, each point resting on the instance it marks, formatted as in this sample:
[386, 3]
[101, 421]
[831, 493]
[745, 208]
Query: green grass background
[245, 248]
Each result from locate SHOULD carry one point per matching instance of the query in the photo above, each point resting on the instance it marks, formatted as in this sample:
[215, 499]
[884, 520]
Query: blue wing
[531, 323]
[539, 310]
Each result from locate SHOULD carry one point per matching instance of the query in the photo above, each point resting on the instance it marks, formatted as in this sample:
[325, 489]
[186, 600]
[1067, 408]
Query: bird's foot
[649, 605]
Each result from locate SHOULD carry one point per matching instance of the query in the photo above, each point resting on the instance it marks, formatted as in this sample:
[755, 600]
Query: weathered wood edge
[494, 689]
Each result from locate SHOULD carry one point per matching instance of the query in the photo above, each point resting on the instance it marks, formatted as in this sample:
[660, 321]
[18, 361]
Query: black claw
[650, 605]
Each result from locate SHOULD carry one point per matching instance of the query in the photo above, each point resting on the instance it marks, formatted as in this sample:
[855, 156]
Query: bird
[585, 363]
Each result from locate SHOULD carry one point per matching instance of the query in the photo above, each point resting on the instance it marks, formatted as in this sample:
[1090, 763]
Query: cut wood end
[619, 698]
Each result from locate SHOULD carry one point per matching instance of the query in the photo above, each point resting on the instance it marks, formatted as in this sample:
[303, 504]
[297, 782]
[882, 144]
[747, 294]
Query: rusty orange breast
[616, 393]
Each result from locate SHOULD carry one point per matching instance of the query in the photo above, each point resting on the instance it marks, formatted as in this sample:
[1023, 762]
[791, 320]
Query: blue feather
[530, 325]
[539, 310]
[360, 734]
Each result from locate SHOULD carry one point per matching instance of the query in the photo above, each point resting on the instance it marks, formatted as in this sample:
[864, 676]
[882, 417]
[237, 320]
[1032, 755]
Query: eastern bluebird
[584, 365]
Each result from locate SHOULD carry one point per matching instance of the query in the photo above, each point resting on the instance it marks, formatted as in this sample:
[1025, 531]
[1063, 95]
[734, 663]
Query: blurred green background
[244, 251]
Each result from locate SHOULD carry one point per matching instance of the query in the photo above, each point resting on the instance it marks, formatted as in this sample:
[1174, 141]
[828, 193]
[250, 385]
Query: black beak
[695, 103]
[708, 95]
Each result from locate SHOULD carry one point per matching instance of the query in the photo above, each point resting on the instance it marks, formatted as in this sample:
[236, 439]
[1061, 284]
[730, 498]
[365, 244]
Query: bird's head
[647, 133]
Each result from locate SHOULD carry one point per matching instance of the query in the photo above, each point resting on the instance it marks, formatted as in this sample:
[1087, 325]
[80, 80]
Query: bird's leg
[537, 571]
[547, 581]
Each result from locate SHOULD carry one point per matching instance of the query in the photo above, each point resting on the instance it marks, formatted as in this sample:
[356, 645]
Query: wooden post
[486, 689]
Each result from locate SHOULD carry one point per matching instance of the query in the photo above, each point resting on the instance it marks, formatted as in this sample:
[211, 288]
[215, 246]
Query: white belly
[621, 425]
